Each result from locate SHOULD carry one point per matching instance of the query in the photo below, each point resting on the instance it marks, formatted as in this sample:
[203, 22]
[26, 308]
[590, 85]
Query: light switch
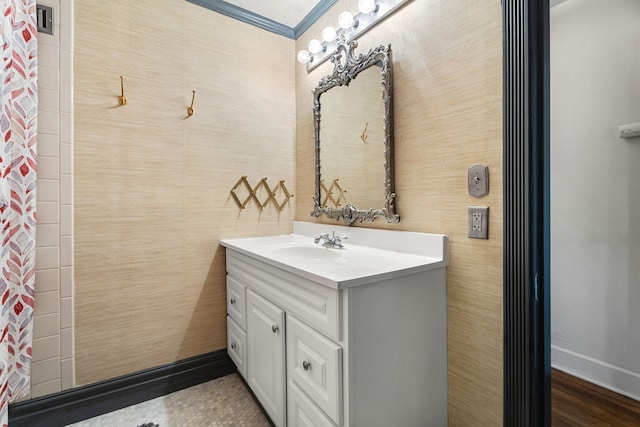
[478, 177]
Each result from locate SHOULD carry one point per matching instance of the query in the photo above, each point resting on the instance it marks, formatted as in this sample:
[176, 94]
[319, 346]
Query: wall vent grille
[45, 19]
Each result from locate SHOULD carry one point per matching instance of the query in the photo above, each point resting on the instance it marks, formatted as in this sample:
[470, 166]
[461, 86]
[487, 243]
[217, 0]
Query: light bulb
[315, 46]
[329, 34]
[367, 6]
[303, 56]
[345, 19]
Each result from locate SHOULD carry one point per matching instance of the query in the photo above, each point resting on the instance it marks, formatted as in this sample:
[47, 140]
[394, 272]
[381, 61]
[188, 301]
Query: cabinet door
[265, 355]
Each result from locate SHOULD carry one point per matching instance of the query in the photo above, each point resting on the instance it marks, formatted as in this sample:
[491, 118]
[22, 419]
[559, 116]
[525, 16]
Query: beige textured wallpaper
[151, 186]
[448, 116]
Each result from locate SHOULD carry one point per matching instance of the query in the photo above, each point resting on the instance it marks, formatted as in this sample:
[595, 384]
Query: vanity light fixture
[367, 6]
[329, 34]
[345, 20]
[315, 46]
[371, 12]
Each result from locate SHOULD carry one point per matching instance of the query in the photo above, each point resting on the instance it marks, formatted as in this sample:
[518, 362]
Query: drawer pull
[274, 328]
[233, 345]
[306, 365]
[232, 301]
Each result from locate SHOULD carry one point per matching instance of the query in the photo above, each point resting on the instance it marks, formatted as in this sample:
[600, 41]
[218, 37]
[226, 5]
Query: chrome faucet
[330, 242]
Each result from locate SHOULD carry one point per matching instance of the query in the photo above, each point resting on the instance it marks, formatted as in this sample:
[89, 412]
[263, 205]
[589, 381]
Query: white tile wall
[46, 348]
[48, 167]
[48, 99]
[47, 257]
[67, 372]
[48, 235]
[48, 145]
[52, 367]
[66, 251]
[66, 282]
[47, 303]
[48, 77]
[49, 57]
[44, 388]
[48, 122]
[66, 127]
[47, 280]
[66, 343]
[45, 371]
[66, 220]
[48, 212]
[48, 190]
[66, 189]
[46, 325]
[66, 158]
[66, 312]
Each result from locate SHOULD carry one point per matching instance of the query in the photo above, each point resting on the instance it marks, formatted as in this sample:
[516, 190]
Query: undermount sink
[304, 251]
[368, 255]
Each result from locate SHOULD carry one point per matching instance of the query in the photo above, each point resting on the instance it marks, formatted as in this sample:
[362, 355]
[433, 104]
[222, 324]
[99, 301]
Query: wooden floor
[578, 403]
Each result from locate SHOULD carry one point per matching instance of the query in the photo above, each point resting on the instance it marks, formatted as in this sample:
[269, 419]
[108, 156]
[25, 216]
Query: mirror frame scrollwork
[347, 65]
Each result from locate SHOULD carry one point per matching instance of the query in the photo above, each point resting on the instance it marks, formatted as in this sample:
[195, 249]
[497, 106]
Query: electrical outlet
[478, 222]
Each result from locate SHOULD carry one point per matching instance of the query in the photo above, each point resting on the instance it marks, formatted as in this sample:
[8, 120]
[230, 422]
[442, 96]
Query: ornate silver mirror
[354, 137]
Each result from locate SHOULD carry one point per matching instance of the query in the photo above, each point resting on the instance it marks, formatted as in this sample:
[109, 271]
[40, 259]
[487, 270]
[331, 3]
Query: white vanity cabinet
[368, 351]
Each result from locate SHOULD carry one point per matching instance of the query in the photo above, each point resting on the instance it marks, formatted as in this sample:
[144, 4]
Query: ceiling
[289, 18]
[286, 12]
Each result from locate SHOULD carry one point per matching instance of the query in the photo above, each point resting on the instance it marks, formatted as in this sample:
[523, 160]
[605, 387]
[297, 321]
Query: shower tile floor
[222, 402]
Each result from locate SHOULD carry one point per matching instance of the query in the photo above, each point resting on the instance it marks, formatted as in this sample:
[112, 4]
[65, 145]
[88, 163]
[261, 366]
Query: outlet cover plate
[478, 222]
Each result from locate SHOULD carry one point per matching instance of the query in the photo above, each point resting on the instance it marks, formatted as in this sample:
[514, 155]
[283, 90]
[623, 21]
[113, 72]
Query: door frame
[527, 364]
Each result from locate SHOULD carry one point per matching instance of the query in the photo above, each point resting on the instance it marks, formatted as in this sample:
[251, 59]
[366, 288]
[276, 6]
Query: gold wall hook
[363, 135]
[122, 100]
[190, 109]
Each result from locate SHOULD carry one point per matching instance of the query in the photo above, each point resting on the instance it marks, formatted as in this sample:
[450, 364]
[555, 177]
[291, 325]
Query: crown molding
[263, 22]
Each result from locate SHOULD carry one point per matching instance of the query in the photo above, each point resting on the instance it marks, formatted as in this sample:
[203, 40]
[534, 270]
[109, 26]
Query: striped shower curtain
[18, 111]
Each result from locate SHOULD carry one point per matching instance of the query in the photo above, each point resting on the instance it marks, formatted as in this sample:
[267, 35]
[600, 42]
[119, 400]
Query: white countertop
[369, 255]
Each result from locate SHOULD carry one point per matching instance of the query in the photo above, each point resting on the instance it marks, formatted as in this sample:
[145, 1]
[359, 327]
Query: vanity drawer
[314, 363]
[302, 412]
[236, 301]
[237, 346]
[317, 305]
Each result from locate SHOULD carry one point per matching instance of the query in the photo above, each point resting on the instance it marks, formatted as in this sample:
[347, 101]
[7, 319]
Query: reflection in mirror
[354, 137]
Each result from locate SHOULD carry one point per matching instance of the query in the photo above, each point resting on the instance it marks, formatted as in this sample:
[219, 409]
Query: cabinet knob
[233, 301]
[306, 365]
[233, 345]
[274, 328]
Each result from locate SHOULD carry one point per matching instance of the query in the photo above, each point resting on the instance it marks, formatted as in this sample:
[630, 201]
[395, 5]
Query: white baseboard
[611, 377]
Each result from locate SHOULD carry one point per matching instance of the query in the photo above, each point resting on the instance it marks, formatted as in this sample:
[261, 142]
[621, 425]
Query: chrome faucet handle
[320, 237]
[337, 240]
[339, 237]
